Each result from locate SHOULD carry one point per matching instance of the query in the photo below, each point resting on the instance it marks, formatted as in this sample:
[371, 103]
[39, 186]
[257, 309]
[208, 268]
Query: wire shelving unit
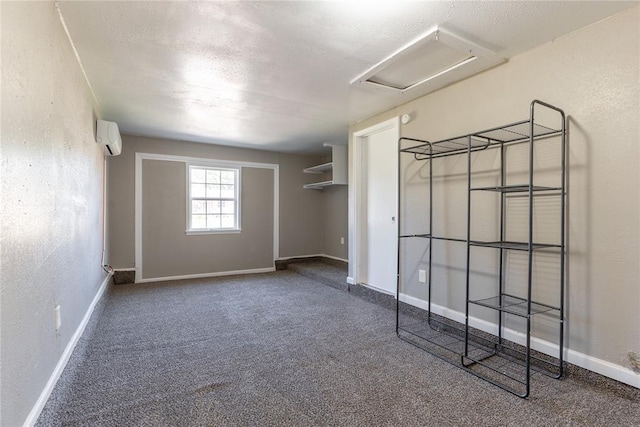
[500, 355]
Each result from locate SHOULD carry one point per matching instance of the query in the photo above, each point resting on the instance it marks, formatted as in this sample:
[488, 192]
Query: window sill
[224, 231]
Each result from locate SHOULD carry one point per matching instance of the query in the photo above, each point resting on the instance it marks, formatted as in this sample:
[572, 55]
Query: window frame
[237, 228]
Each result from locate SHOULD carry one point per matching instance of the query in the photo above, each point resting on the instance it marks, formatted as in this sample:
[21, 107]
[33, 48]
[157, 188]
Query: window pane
[213, 207]
[209, 186]
[227, 191]
[227, 177]
[213, 221]
[197, 175]
[198, 206]
[213, 176]
[228, 221]
[228, 207]
[198, 221]
[197, 190]
[213, 191]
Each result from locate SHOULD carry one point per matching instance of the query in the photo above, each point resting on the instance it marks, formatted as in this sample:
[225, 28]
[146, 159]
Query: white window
[213, 199]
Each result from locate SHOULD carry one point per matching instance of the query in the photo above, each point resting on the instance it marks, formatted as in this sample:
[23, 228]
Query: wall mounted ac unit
[108, 136]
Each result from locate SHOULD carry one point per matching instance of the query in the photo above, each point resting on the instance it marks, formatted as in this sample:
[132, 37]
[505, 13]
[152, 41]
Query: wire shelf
[451, 146]
[515, 132]
[514, 305]
[429, 236]
[518, 246]
[522, 188]
[425, 236]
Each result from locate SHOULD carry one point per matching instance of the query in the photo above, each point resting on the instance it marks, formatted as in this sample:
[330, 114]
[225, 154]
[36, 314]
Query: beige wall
[168, 251]
[51, 190]
[335, 221]
[301, 211]
[593, 75]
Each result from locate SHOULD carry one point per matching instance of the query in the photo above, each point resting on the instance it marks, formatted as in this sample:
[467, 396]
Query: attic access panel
[426, 59]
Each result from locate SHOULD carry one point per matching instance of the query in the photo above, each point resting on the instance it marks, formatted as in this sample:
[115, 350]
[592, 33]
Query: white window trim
[238, 209]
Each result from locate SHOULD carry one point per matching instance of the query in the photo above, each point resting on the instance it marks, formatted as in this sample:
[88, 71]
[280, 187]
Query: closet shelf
[518, 246]
[319, 168]
[334, 172]
[515, 305]
[318, 185]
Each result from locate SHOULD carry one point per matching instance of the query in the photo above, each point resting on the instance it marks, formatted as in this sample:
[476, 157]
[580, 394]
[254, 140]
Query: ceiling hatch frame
[459, 58]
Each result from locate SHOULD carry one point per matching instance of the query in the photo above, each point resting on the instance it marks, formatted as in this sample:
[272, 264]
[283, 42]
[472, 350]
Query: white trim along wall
[204, 162]
[312, 256]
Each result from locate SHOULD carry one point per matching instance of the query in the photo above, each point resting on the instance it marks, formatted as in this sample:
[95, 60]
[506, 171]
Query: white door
[379, 180]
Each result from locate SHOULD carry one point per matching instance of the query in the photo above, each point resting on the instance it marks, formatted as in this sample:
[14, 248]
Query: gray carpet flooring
[280, 349]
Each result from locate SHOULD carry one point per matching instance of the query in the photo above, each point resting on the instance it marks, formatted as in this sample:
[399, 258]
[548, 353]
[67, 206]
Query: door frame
[357, 194]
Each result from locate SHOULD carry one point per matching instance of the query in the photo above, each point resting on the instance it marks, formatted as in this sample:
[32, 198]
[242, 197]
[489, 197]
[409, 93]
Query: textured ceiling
[275, 75]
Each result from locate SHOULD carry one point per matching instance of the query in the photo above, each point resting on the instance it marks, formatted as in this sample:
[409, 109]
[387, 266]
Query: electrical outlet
[422, 276]
[342, 240]
[58, 319]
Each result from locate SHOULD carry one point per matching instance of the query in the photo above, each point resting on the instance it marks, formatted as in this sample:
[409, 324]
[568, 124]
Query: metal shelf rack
[489, 354]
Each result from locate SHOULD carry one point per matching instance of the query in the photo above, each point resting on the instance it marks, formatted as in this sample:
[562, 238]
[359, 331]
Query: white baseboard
[382, 291]
[312, 256]
[334, 257]
[286, 258]
[204, 275]
[64, 358]
[124, 269]
[351, 281]
[602, 367]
